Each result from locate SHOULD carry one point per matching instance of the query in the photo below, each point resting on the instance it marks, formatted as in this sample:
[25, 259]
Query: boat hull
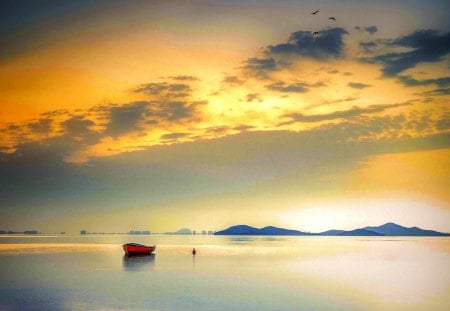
[138, 249]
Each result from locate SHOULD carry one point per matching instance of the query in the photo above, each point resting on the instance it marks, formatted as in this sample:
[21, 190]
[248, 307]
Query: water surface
[228, 273]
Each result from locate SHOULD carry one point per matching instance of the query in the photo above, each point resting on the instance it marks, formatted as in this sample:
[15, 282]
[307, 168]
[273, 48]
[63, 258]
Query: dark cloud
[80, 128]
[234, 80]
[329, 43]
[367, 46]
[281, 86]
[295, 87]
[132, 117]
[420, 124]
[36, 173]
[41, 126]
[164, 88]
[358, 86]
[438, 92]
[343, 100]
[125, 118]
[243, 128]
[77, 126]
[184, 78]
[371, 29]
[174, 136]
[176, 110]
[422, 45]
[409, 81]
[218, 129]
[260, 66]
[253, 96]
[55, 113]
[443, 124]
[342, 114]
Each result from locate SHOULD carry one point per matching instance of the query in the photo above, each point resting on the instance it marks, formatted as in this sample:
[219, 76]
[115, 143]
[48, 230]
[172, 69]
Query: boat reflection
[138, 262]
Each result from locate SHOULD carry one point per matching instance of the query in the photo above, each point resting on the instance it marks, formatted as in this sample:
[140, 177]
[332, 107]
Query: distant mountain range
[388, 229]
[183, 231]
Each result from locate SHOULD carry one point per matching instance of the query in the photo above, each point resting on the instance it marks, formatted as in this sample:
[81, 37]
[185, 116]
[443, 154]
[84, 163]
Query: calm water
[228, 273]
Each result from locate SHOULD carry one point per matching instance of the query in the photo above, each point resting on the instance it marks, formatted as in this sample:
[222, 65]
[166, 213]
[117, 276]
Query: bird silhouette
[332, 18]
[315, 33]
[315, 12]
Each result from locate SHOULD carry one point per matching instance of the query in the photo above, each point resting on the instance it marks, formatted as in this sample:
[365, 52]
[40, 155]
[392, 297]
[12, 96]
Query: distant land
[388, 229]
[183, 231]
[19, 232]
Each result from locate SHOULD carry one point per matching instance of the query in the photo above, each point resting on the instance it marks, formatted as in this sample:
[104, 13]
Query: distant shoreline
[388, 229]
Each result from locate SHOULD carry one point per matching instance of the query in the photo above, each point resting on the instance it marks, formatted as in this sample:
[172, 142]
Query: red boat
[138, 249]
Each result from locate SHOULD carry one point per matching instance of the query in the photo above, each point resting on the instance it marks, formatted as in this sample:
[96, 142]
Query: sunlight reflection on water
[252, 273]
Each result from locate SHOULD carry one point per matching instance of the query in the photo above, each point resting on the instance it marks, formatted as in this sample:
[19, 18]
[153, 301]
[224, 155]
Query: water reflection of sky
[254, 273]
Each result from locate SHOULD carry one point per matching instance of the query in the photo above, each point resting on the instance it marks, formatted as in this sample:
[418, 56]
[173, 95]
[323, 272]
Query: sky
[159, 115]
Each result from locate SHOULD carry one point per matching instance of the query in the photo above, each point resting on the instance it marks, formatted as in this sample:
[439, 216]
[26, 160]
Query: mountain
[270, 230]
[247, 230]
[360, 232]
[397, 230]
[332, 232]
[388, 229]
[239, 230]
[181, 231]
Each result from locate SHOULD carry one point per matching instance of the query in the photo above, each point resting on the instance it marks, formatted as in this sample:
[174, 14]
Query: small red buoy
[194, 251]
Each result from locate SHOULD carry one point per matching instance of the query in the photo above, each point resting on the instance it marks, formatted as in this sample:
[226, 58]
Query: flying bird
[315, 12]
[332, 18]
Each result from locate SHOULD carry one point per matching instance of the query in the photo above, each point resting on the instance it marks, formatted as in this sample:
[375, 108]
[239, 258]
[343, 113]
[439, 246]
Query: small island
[388, 229]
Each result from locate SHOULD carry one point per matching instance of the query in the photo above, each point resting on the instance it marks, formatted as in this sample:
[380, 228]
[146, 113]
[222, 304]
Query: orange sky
[225, 110]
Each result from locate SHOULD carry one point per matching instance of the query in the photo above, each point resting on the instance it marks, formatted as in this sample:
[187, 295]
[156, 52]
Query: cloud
[260, 66]
[55, 113]
[443, 124]
[41, 126]
[328, 44]
[165, 89]
[358, 86]
[80, 128]
[371, 29]
[125, 118]
[367, 46]
[342, 114]
[131, 117]
[438, 92]
[174, 136]
[342, 100]
[184, 78]
[36, 175]
[281, 86]
[176, 110]
[253, 96]
[223, 129]
[296, 87]
[77, 126]
[409, 81]
[233, 80]
[423, 46]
